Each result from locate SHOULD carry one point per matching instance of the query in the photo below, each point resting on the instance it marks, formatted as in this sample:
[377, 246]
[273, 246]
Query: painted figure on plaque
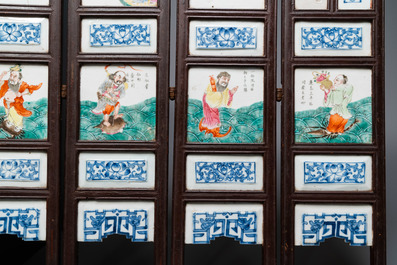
[13, 91]
[109, 94]
[216, 95]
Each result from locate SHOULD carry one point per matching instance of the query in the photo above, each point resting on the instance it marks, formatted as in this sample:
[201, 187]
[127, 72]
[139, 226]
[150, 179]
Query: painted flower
[9, 169]
[227, 37]
[10, 33]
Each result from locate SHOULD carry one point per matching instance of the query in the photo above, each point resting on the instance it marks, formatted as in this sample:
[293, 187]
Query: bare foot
[106, 123]
[118, 116]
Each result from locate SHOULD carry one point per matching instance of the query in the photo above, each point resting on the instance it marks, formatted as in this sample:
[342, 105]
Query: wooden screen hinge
[279, 94]
[64, 91]
[172, 92]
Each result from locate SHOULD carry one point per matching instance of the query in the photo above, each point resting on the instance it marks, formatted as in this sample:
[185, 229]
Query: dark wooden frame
[52, 144]
[376, 197]
[267, 197]
[76, 58]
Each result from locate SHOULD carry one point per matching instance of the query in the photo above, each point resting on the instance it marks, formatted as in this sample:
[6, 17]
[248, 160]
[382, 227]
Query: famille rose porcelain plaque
[118, 102]
[24, 97]
[333, 39]
[120, 3]
[19, 34]
[333, 173]
[206, 222]
[23, 169]
[226, 38]
[119, 35]
[225, 105]
[116, 170]
[25, 2]
[99, 219]
[355, 4]
[314, 223]
[227, 4]
[224, 172]
[311, 4]
[25, 219]
[333, 105]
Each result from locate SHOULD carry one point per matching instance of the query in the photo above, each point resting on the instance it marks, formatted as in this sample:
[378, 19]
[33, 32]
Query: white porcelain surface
[311, 4]
[25, 2]
[336, 180]
[365, 50]
[120, 3]
[329, 212]
[257, 51]
[226, 216]
[34, 174]
[248, 177]
[355, 4]
[227, 4]
[117, 181]
[114, 210]
[85, 36]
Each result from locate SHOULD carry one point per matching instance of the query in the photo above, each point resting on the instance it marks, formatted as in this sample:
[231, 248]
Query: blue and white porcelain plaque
[227, 4]
[224, 172]
[315, 223]
[25, 219]
[23, 169]
[332, 39]
[98, 220]
[206, 222]
[116, 170]
[24, 34]
[333, 173]
[355, 4]
[119, 35]
[229, 38]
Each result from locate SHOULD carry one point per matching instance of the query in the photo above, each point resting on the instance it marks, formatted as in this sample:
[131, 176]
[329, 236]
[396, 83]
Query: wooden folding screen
[333, 135]
[29, 128]
[224, 161]
[117, 137]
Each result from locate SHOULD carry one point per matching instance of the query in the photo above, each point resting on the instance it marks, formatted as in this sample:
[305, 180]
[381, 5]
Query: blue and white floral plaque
[99, 219]
[206, 222]
[24, 34]
[116, 170]
[355, 4]
[333, 39]
[119, 35]
[315, 223]
[25, 219]
[333, 173]
[224, 172]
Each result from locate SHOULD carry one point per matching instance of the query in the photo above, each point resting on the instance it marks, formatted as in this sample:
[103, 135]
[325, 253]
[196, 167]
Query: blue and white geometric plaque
[226, 37]
[114, 35]
[225, 172]
[20, 33]
[332, 38]
[99, 224]
[20, 169]
[131, 170]
[334, 172]
[21, 222]
[353, 228]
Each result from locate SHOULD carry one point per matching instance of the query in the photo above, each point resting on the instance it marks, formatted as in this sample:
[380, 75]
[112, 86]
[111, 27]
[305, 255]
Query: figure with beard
[109, 93]
[216, 95]
[13, 90]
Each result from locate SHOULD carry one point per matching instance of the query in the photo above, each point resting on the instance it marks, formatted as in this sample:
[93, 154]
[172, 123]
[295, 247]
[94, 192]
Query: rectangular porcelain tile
[227, 4]
[311, 4]
[225, 105]
[117, 170]
[355, 4]
[119, 35]
[333, 39]
[205, 222]
[120, 3]
[226, 38]
[25, 219]
[23, 169]
[314, 223]
[24, 34]
[99, 219]
[333, 105]
[224, 172]
[25, 2]
[333, 173]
